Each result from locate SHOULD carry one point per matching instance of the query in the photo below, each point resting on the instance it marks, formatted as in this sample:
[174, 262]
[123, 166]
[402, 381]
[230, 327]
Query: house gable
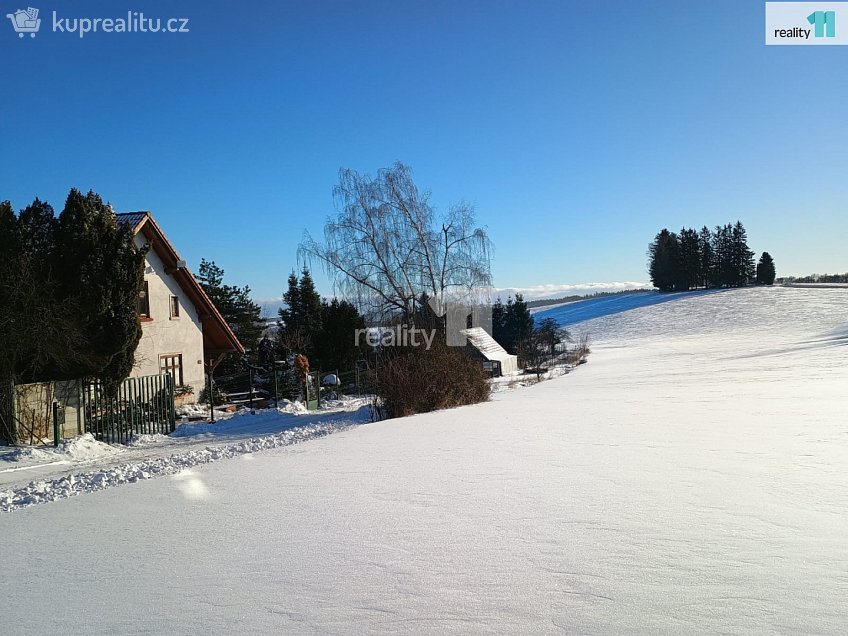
[218, 337]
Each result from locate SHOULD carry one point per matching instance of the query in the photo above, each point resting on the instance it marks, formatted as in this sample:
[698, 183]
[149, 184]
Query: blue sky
[578, 129]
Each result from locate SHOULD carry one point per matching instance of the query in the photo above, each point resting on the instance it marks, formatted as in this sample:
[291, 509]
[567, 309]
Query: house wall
[509, 364]
[165, 335]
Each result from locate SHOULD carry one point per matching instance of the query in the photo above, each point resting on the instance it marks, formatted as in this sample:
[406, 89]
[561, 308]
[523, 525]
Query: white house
[182, 329]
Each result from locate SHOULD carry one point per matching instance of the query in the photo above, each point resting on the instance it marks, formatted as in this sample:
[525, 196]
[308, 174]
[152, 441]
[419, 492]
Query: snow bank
[44, 491]
[85, 448]
[297, 408]
[81, 449]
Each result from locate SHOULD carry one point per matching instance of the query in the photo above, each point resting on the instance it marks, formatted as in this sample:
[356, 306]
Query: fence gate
[141, 406]
[311, 390]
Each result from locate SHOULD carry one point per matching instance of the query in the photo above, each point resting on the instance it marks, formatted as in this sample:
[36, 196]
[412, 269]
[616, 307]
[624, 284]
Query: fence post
[172, 411]
[55, 424]
[276, 388]
[250, 387]
[79, 407]
[82, 407]
[210, 383]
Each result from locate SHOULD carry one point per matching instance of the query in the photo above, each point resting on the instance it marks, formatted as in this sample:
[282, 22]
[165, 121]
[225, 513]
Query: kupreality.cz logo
[806, 23]
[28, 22]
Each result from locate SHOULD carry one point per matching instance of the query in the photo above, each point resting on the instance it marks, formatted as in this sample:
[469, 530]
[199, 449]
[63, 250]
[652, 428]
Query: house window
[172, 363]
[144, 301]
[175, 307]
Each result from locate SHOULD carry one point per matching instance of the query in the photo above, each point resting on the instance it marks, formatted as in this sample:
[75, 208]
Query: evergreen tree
[37, 235]
[725, 269]
[291, 302]
[707, 257]
[514, 328]
[241, 313]
[744, 269]
[9, 314]
[311, 309]
[664, 262]
[69, 288]
[720, 258]
[499, 326]
[690, 259]
[233, 302]
[520, 320]
[765, 270]
[100, 271]
[335, 345]
[301, 316]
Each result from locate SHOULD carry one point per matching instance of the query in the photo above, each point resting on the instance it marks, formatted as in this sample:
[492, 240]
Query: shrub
[220, 396]
[579, 353]
[183, 389]
[417, 380]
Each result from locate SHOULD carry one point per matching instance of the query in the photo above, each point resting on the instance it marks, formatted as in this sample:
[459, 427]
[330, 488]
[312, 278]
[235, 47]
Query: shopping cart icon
[25, 21]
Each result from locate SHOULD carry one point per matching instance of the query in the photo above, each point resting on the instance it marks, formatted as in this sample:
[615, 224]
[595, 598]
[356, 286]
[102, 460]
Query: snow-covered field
[692, 478]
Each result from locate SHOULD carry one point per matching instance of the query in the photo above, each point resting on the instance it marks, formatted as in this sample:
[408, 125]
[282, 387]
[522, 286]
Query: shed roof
[480, 339]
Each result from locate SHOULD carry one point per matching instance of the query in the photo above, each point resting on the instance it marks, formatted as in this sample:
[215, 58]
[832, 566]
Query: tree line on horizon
[693, 259]
[815, 278]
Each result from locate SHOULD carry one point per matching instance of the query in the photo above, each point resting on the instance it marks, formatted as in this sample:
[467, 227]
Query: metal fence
[141, 406]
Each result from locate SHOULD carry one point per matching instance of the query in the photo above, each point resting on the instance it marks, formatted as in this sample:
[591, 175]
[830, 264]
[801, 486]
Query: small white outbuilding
[481, 346]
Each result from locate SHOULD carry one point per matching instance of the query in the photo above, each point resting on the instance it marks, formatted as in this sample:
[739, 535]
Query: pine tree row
[718, 258]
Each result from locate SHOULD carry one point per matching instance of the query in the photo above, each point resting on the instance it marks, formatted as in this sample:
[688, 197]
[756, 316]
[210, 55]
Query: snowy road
[692, 478]
[34, 475]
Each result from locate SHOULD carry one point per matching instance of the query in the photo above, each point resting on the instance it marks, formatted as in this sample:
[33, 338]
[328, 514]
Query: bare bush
[580, 352]
[418, 380]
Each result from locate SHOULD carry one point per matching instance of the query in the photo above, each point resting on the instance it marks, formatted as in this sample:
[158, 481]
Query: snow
[691, 478]
[30, 476]
[581, 310]
[539, 292]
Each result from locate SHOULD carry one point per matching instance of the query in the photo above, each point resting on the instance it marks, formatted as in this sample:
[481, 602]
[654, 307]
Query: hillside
[693, 477]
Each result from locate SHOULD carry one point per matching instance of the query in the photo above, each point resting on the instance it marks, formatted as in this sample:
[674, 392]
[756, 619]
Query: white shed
[487, 349]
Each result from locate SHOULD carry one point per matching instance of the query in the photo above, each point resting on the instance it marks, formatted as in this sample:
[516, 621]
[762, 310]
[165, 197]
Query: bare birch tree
[389, 250]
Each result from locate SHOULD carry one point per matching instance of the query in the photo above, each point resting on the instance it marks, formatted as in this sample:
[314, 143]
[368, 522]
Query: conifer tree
[705, 249]
[664, 262]
[520, 319]
[310, 310]
[68, 292]
[301, 314]
[725, 269]
[100, 272]
[690, 259]
[233, 302]
[744, 269]
[291, 302]
[241, 313]
[506, 327]
[766, 270]
[335, 345]
[499, 326]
